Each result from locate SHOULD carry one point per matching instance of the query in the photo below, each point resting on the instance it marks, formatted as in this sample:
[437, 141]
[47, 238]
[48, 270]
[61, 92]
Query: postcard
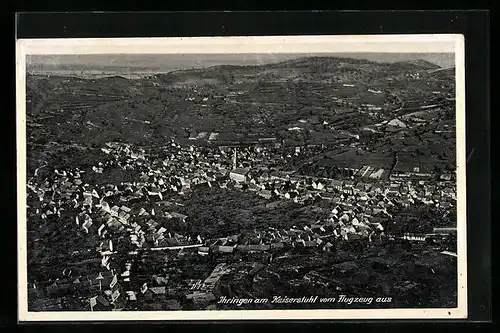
[241, 178]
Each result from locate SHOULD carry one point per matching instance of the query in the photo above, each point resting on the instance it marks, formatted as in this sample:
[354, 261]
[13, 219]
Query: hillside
[446, 73]
[314, 100]
[416, 64]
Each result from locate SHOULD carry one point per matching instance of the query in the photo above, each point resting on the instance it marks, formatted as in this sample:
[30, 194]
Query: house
[213, 136]
[115, 225]
[335, 184]
[446, 177]
[318, 185]
[253, 247]
[152, 224]
[185, 190]
[396, 123]
[359, 188]
[225, 249]
[310, 243]
[100, 303]
[328, 246]
[106, 280]
[445, 205]
[364, 171]
[115, 295]
[448, 192]
[291, 195]
[344, 218]
[203, 250]
[278, 245]
[179, 216]
[152, 292]
[105, 207]
[161, 231]
[158, 290]
[193, 135]
[201, 135]
[114, 211]
[131, 296]
[348, 185]
[125, 209]
[355, 222]
[405, 203]
[123, 217]
[59, 288]
[393, 188]
[87, 199]
[161, 280]
[156, 192]
[254, 187]
[404, 190]
[266, 194]
[412, 237]
[377, 188]
[316, 227]
[233, 238]
[377, 174]
[87, 224]
[445, 230]
[239, 174]
[106, 246]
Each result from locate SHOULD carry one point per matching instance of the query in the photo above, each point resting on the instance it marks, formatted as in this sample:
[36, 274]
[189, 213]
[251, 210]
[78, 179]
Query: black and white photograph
[306, 177]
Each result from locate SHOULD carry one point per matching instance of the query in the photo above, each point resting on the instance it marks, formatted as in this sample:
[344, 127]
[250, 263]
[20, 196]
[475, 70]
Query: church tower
[235, 165]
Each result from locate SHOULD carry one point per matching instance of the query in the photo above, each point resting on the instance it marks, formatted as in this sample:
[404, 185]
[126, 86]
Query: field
[308, 101]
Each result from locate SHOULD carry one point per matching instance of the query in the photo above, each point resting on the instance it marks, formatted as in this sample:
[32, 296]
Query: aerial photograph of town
[167, 182]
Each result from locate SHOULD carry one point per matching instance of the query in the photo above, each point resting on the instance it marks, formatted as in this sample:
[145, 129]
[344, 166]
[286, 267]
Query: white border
[437, 43]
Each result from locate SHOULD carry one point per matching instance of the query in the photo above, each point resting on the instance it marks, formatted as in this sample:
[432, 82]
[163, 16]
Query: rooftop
[241, 171]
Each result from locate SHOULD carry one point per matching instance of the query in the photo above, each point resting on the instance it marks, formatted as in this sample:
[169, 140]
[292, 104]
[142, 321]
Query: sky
[170, 62]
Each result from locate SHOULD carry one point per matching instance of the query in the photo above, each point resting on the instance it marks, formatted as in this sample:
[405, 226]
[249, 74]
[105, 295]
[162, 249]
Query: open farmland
[306, 101]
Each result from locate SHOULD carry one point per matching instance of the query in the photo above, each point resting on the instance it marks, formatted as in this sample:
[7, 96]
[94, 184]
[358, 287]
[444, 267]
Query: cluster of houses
[367, 192]
[343, 222]
[136, 214]
[101, 291]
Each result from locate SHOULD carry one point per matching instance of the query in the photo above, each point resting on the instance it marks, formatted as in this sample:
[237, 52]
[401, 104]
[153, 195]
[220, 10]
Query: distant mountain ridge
[319, 60]
[419, 63]
[307, 68]
[329, 61]
[323, 62]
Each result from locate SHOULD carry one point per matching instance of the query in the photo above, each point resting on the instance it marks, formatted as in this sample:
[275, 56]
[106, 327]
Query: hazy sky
[169, 62]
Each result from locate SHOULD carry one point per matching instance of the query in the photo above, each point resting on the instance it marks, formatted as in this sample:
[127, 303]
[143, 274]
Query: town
[119, 227]
[171, 191]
